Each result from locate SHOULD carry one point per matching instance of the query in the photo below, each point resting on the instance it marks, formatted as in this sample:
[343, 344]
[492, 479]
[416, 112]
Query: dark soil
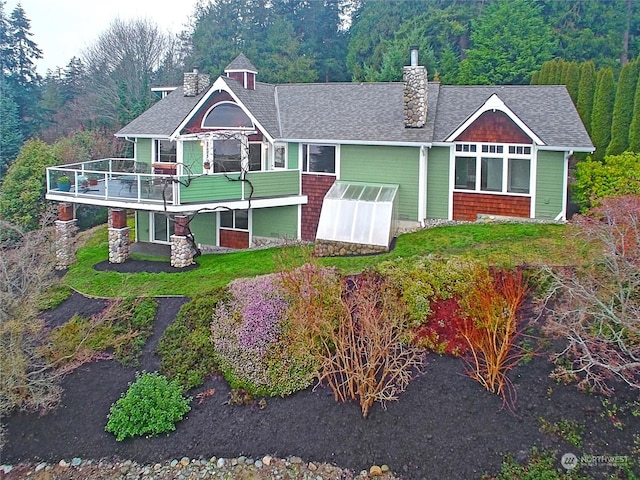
[444, 426]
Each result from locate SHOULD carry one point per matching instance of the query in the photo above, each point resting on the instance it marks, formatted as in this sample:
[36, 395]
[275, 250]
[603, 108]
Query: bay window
[493, 168]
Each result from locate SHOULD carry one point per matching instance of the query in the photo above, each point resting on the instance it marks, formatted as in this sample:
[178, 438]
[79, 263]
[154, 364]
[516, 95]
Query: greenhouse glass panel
[355, 212]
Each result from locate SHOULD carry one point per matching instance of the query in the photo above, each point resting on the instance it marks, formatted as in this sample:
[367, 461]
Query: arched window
[226, 115]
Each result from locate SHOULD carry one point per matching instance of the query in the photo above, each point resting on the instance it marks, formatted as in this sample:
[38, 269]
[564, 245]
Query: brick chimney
[195, 82]
[415, 81]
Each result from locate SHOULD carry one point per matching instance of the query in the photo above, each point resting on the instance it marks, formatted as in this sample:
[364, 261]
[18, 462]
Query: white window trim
[505, 156]
[204, 117]
[272, 156]
[336, 162]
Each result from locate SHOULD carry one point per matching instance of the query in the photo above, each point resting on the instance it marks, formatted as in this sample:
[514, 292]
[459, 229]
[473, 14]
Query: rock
[267, 460]
[6, 468]
[157, 467]
[295, 460]
[312, 466]
[258, 463]
[75, 462]
[242, 459]
[174, 463]
[375, 471]
[40, 466]
[220, 463]
[184, 461]
[385, 468]
[63, 463]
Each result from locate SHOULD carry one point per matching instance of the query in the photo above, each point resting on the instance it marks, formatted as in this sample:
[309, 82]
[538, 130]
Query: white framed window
[235, 219]
[162, 228]
[165, 151]
[280, 155]
[497, 168]
[318, 158]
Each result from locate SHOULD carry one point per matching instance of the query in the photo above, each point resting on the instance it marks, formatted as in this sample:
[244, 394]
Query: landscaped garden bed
[441, 365]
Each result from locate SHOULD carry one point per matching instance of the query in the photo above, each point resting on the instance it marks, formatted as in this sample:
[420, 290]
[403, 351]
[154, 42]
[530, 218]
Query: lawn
[504, 244]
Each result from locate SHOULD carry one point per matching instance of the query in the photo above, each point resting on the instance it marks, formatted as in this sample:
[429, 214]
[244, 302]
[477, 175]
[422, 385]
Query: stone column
[182, 251]
[119, 241]
[66, 228]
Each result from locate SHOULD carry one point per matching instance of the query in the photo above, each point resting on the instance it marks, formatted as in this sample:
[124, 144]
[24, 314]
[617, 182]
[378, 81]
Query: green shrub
[152, 405]
[615, 176]
[421, 280]
[186, 351]
[122, 328]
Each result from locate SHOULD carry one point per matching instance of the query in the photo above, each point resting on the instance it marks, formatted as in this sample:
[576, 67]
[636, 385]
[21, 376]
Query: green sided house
[240, 163]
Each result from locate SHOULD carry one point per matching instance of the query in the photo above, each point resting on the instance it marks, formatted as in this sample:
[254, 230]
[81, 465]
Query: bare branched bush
[26, 268]
[491, 328]
[596, 307]
[365, 356]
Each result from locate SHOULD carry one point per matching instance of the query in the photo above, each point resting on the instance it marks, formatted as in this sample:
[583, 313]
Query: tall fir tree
[10, 136]
[634, 129]
[623, 109]
[586, 93]
[572, 81]
[602, 112]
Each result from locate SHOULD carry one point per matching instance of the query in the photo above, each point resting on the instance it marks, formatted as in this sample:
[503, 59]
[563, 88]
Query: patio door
[162, 228]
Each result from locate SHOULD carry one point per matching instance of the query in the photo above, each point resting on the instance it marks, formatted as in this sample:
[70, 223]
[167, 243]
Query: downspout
[562, 216]
[422, 186]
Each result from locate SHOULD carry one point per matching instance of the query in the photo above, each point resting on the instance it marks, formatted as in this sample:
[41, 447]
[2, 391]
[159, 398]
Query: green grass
[504, 244]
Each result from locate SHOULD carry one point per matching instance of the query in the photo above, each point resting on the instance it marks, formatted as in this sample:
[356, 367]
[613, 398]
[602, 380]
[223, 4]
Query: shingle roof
[350, 112]
[373, 112]
[546, 109]
[261, 102]
[241, 63]
[163, 117]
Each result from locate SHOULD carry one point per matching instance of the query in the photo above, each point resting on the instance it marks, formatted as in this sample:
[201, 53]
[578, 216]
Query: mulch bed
[444, 426]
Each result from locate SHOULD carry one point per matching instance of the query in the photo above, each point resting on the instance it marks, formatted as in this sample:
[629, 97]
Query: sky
[63, 28]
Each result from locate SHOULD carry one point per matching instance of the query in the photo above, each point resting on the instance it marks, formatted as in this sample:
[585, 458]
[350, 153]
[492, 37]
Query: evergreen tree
[623, 109]
[19, 69]
[6, 49]
[546, 73]
[586, 92]
[572, 81]
[510, 40]
[372, 24]
[634, 129]
[10, 136]
[25, 50]
[602, 112]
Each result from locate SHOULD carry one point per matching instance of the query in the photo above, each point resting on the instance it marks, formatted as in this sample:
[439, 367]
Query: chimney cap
[414, 55]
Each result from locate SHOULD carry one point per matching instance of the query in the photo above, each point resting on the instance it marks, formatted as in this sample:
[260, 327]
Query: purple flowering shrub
[252, 342]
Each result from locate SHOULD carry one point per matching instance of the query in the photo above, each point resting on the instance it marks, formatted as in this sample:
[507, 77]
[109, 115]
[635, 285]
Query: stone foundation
[182, 251]
[65, 244]
[328, 248]
[119, 244]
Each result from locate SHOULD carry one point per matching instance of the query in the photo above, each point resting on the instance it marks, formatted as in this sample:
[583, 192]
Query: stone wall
[415, 96]
[330, 248]
[65, 244]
